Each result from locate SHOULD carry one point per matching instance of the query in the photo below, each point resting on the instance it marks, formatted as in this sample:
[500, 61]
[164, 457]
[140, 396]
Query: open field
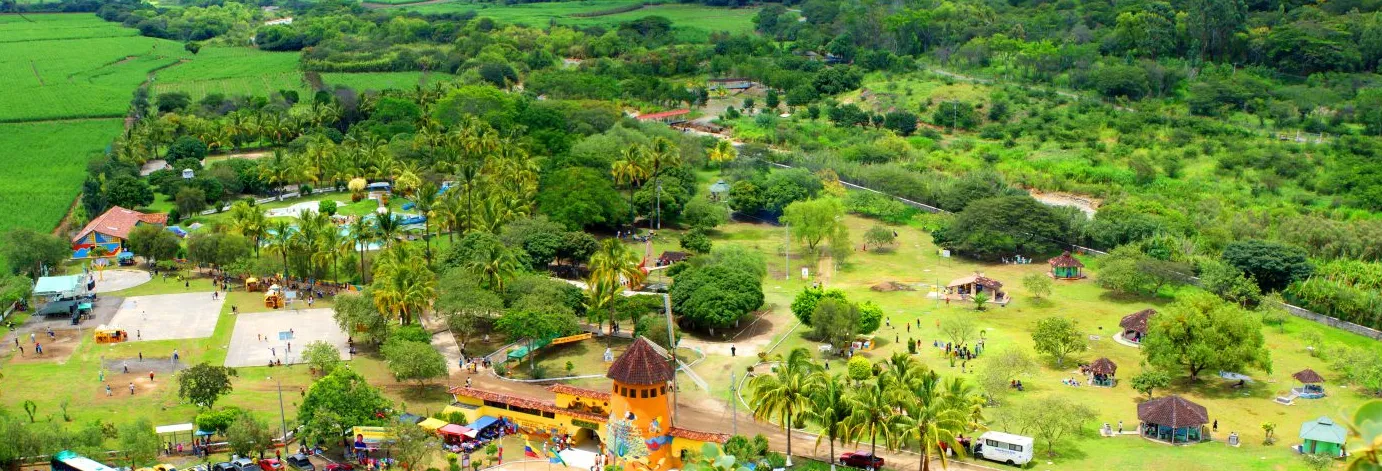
[914, 260]
[14, 28]
[691, 20]
[384, 80]
[44, 167]
[232, 71]
[89, 74]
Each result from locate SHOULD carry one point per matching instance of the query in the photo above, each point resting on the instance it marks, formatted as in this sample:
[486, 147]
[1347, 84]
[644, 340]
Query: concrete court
[307, 326]
[168, 316]
[116, 279]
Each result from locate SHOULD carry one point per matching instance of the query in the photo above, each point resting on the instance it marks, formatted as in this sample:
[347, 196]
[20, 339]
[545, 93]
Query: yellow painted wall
[645, 411]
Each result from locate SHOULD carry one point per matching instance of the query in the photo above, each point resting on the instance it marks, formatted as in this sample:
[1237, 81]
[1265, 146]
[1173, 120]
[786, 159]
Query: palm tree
[281, 241]
[829, 409]
[280, 171]
[402, 286]
[388, 227]
[631, 171]
[361, 235]
[723, 151]
[661, 154]
[874, 415]
[610, 267]
[328, 249]
[449, 210]
[494, 265]
[786, 393]
[318, 155]
[425, 199]
[250, 222]
[932, 418]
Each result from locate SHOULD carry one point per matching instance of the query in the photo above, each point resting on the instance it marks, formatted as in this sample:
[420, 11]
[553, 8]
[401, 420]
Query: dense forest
[1197, 124]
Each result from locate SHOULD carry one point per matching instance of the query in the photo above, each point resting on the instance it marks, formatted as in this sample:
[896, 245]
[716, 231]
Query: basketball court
[168, 316]
[261, 337]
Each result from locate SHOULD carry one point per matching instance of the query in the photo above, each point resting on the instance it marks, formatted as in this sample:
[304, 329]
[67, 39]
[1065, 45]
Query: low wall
[1332, 322]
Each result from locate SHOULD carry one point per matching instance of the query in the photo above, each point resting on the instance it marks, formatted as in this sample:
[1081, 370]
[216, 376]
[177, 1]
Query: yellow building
[631, 424]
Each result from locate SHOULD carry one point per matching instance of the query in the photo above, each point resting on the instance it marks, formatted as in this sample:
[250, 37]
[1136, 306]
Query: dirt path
[36, 75]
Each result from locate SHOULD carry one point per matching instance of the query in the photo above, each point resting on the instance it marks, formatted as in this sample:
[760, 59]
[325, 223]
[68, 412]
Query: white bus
[1004, 448]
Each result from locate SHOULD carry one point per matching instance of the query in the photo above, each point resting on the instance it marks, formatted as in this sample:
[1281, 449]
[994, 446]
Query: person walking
[732, 350]
[107, 390]
[151, 376]
[131, 388]
[141, 357]
[38, 349]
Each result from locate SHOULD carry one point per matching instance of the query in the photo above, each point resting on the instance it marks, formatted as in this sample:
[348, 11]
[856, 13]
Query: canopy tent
[431, 424]
[162, 429]
[456, 430]
[63, 286]
[1102, 372]
[174, 430]
[720, 188]
[482, 423]
[409, 418]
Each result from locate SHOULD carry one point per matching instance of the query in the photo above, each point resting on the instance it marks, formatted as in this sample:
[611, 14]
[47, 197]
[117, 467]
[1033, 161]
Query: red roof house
[110, 229]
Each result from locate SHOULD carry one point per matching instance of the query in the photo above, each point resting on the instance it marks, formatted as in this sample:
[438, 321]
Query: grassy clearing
[232, 71]
[385, 80]
[691, 21]
[914, 260]
[73, 71]
[45, 166]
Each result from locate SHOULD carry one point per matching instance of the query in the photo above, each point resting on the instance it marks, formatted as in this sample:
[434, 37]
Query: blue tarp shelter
[482, 423]
[410, 418]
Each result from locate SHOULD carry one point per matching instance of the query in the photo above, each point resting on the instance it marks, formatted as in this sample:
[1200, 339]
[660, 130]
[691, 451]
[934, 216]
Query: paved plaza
[116, 279]
[263, 336]
[168, 316]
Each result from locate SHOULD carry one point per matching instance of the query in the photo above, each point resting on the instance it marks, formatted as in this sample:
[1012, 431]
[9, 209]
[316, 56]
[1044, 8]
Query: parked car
[271, 464]
[244, 464]
[224, 466]
[1002, 447]
[861, 459]
[340, 467]
[300, 462]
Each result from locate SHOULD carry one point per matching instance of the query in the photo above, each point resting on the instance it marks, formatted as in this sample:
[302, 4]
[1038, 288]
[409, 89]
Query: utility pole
[659, 205]
[671, 340]
[734, 402]
[283, 421]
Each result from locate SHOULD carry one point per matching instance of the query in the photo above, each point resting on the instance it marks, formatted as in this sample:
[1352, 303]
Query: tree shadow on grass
[428, 393]
[1211, 386]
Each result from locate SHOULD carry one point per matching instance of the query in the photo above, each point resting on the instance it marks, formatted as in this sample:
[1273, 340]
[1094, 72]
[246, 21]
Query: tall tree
[1202, 332]
[339, 401]
[829, 409]
[875, 416]
[139, 445]
[28, 251]
[248, 435]
[613, 268]
[786, 393]
[814, 220]
[936, 414]
[204, 384]
[1058, 337]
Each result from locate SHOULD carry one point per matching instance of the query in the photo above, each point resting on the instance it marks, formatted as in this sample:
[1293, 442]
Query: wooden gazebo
[969, 286]
[1102, 372]
[1066, 267]
[1135, 325]
[1312, 384]
[1174, 420]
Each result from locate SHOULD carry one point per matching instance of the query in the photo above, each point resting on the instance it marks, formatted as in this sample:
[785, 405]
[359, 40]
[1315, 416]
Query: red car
[861, 459]
[271, 464]
[340, 467]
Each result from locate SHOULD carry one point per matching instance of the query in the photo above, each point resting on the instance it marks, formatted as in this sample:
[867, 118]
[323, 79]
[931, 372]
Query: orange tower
[640, 407]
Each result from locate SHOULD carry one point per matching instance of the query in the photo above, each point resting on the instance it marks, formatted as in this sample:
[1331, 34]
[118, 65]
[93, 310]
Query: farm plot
[385, 80]
[75, 78]
[692, 22]
[232, 71]
[531, 14]
[44, 164]
[17, 29]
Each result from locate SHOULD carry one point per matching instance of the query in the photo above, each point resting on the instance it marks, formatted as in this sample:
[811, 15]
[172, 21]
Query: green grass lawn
[74, 66]
[693, 22]
[232, 71]
[914, 260]
[44, 167]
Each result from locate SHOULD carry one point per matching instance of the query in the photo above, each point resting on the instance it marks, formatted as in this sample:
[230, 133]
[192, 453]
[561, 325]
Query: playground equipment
[253, 284]
[273, 298]
[520, 352]
[106, 334]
